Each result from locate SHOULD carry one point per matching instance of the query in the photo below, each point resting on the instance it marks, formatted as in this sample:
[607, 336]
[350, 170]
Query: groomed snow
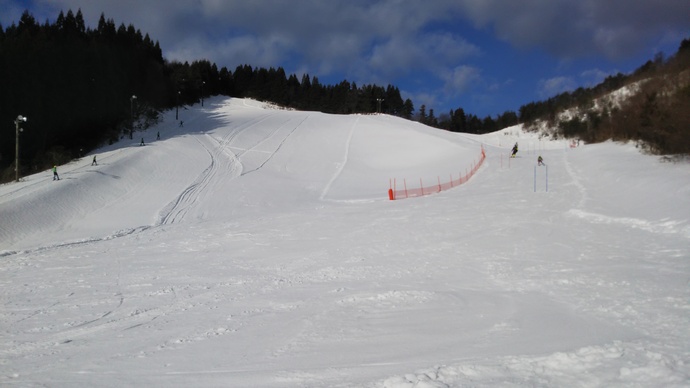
[257, 247]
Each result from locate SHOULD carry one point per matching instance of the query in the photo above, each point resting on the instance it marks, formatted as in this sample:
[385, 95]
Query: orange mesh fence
[414, 190]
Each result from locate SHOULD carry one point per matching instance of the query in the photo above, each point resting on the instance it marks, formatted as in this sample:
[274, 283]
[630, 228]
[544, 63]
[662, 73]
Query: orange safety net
[414, 191]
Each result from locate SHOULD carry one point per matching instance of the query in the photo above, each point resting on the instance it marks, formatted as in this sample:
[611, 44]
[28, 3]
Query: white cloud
[429, 100]
[592, 77]
[406, 54]
[552, 86]
[462, 78]
[264, 53]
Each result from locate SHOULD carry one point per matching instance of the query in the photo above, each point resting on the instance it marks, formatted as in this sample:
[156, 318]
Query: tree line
[459, 121]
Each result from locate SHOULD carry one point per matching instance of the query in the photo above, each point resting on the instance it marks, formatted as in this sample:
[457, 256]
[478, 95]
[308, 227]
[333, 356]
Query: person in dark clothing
[142, 142]
[94, 163]
[540, 161]
[56, 177]
[515, 150]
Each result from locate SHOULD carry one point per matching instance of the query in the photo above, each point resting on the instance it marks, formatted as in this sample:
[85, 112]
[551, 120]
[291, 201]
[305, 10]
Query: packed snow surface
[257, 247]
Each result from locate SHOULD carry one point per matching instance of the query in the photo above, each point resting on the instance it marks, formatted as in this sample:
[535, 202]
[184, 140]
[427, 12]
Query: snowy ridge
[255, 246]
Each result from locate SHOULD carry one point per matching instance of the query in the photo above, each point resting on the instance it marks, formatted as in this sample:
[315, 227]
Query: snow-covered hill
[257, 247]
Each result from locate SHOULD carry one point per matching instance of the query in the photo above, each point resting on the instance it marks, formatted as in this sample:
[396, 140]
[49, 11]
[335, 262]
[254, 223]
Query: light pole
[131, 115]
[202, 92]
[379, 105]
[18, 120]
[177, 104]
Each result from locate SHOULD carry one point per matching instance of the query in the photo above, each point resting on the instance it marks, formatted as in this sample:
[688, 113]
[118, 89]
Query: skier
[158, 135]
[94, 163]
[540, 161]
[142, 142]
[515, 150]
[56, 177]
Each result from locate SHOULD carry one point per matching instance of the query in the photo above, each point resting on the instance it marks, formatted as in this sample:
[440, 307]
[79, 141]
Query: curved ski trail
[222, 158]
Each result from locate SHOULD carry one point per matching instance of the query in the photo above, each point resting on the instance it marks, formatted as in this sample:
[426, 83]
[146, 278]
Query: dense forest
[73, 85]
[78, 87]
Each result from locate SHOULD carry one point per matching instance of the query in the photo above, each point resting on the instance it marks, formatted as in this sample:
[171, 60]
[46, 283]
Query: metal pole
[19, 119]
[131, 115]
[16, 152]
[547, 179]
[535, 179]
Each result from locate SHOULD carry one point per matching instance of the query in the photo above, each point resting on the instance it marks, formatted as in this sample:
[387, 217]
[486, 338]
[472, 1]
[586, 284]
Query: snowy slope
[256, 247]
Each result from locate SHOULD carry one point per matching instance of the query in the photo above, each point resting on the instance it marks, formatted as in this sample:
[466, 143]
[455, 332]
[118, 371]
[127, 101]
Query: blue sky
[485, 56]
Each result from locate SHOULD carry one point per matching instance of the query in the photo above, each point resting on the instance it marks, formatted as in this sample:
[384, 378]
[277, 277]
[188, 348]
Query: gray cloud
[461, 78]
[574, 28]
[329, 34]
[552, 86]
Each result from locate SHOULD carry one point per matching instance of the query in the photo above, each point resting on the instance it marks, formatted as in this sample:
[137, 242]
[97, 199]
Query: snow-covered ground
[257, 247]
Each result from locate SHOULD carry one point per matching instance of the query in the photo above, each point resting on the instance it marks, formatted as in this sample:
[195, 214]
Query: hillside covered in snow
[254, 246]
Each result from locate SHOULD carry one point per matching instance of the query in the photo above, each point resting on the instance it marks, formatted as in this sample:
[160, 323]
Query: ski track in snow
[182, 204]
[274, 151]
[343, 163]
[233, 167]
[575, 177]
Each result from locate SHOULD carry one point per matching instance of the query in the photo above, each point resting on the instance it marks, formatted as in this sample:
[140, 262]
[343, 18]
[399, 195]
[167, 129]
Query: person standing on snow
[540, 161]
[94, 163]
[56, 177]
[515, 150]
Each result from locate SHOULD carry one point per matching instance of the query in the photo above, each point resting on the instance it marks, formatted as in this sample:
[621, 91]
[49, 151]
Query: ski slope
[256, 246]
